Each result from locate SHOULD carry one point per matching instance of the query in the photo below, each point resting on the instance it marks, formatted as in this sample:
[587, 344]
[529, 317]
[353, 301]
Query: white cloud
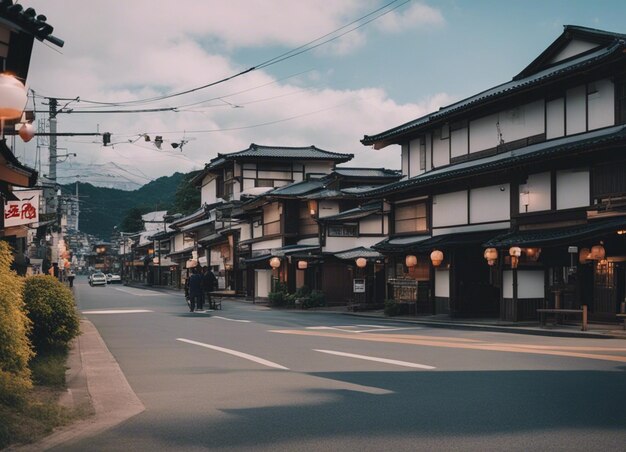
[417, 14]
[131, 50]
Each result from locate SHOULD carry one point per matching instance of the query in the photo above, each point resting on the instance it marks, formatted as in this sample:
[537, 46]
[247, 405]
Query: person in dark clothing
[195, 290]
[209, 284]
[70, 278]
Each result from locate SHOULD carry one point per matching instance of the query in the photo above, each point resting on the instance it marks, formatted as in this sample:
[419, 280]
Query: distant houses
[509, 201]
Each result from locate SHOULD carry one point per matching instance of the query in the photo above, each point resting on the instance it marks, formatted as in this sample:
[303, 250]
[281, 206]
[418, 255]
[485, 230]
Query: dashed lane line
[379, 360]
[252, 358]
[230, 320]
[140, 292]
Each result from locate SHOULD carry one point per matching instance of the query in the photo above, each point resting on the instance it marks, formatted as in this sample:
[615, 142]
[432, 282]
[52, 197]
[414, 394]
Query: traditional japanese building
[518, 193]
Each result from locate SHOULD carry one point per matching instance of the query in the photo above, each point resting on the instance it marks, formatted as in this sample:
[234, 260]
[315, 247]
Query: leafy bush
[315, 299]
[391, 308]
[279, 296]
[15, 347]
[50, 307]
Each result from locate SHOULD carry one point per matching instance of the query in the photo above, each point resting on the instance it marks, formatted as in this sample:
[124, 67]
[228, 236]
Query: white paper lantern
[12, 97]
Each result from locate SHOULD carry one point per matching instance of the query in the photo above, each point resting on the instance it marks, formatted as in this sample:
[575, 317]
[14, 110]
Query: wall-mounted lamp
[361, 262]
[491, 254]
[411, 261]
[436, 258]
[312, 205]
[515, 252]
[303, 265]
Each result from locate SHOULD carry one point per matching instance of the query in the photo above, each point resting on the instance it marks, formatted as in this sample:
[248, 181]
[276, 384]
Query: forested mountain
[103, 208]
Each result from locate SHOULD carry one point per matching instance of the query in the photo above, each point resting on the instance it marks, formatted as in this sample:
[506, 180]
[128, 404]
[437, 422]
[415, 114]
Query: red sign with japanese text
[24, 211]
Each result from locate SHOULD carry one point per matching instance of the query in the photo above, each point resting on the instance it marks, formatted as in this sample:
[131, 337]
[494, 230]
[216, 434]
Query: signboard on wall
[359, 285]
[23, 211]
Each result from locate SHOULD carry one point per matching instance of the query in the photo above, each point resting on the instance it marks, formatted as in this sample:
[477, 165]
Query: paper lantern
[26, 132]
[515, 251]
[491, 254]
[411, 261]
[275, 262]
[597, 253]
[436, 257]
[584, 255]
[302, 265]
[12, 97]
[361, 262]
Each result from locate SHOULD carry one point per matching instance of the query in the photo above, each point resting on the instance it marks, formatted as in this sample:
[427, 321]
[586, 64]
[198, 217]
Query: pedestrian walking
[209, 284]
[195, 290]
[70, 277]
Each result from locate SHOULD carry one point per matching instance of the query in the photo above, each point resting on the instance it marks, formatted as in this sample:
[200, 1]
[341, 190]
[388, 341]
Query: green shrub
[50, 307]
[315, 299]
[279, 296]
[391, 308]
[15, 347]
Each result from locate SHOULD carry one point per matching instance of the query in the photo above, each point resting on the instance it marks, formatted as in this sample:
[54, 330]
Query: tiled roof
[355, 253]
[356, 213]
[296, 188]
[368, 172]
[557, 236]
[505, 160]
[567, 67]
[256, 151]
[29, 21]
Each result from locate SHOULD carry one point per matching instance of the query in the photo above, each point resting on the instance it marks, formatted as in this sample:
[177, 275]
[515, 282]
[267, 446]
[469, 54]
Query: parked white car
[97, 279]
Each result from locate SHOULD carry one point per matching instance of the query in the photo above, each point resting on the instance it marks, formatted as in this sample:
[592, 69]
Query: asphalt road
[252, 378]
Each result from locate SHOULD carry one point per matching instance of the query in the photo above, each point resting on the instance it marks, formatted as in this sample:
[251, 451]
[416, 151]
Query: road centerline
[243, 355]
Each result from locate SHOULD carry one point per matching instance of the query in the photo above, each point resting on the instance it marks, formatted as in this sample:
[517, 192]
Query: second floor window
[411, 217]
[342, 230]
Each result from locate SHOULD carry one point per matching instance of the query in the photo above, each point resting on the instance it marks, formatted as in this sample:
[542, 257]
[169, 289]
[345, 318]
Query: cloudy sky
[375, 67]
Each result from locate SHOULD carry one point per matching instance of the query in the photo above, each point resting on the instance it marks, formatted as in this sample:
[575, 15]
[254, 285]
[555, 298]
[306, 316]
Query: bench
[623, 316]
[583, 312]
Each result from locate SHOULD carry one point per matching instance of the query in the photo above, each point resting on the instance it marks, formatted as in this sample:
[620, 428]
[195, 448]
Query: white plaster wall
[327, 208]
[334, 244]
[530, 284]
[263, 283]
[575, 110]
[483, 133]
[208, 190]
[601, 104]
[429, 160]
[538, 186]
[267, 244]
[245, 231]
[523, 121]
[442, 283]
[441, 151]
[555, 118]
[371, 225]
[248, 183]
[275, 175]
[318, 167]
[450, 209]
[414, 159]
[490, 204]
[459, 144]
[257, 230]
[572, 189]
[575, 47]
[404, 157]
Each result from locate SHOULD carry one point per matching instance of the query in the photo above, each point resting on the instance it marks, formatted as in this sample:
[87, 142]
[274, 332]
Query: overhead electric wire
[290, 54]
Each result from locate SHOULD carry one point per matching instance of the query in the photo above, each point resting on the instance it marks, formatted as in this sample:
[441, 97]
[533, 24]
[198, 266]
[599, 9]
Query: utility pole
[53, 139]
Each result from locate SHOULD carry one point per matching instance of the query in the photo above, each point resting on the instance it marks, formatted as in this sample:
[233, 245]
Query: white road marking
[253, 358]
[230, 320]
[380, 360]
[118, 311]
[376, 328]
[140, 292]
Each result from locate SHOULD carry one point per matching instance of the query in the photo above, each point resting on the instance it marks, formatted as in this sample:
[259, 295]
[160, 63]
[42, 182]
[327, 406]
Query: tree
[133, 222]
[187, 197]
